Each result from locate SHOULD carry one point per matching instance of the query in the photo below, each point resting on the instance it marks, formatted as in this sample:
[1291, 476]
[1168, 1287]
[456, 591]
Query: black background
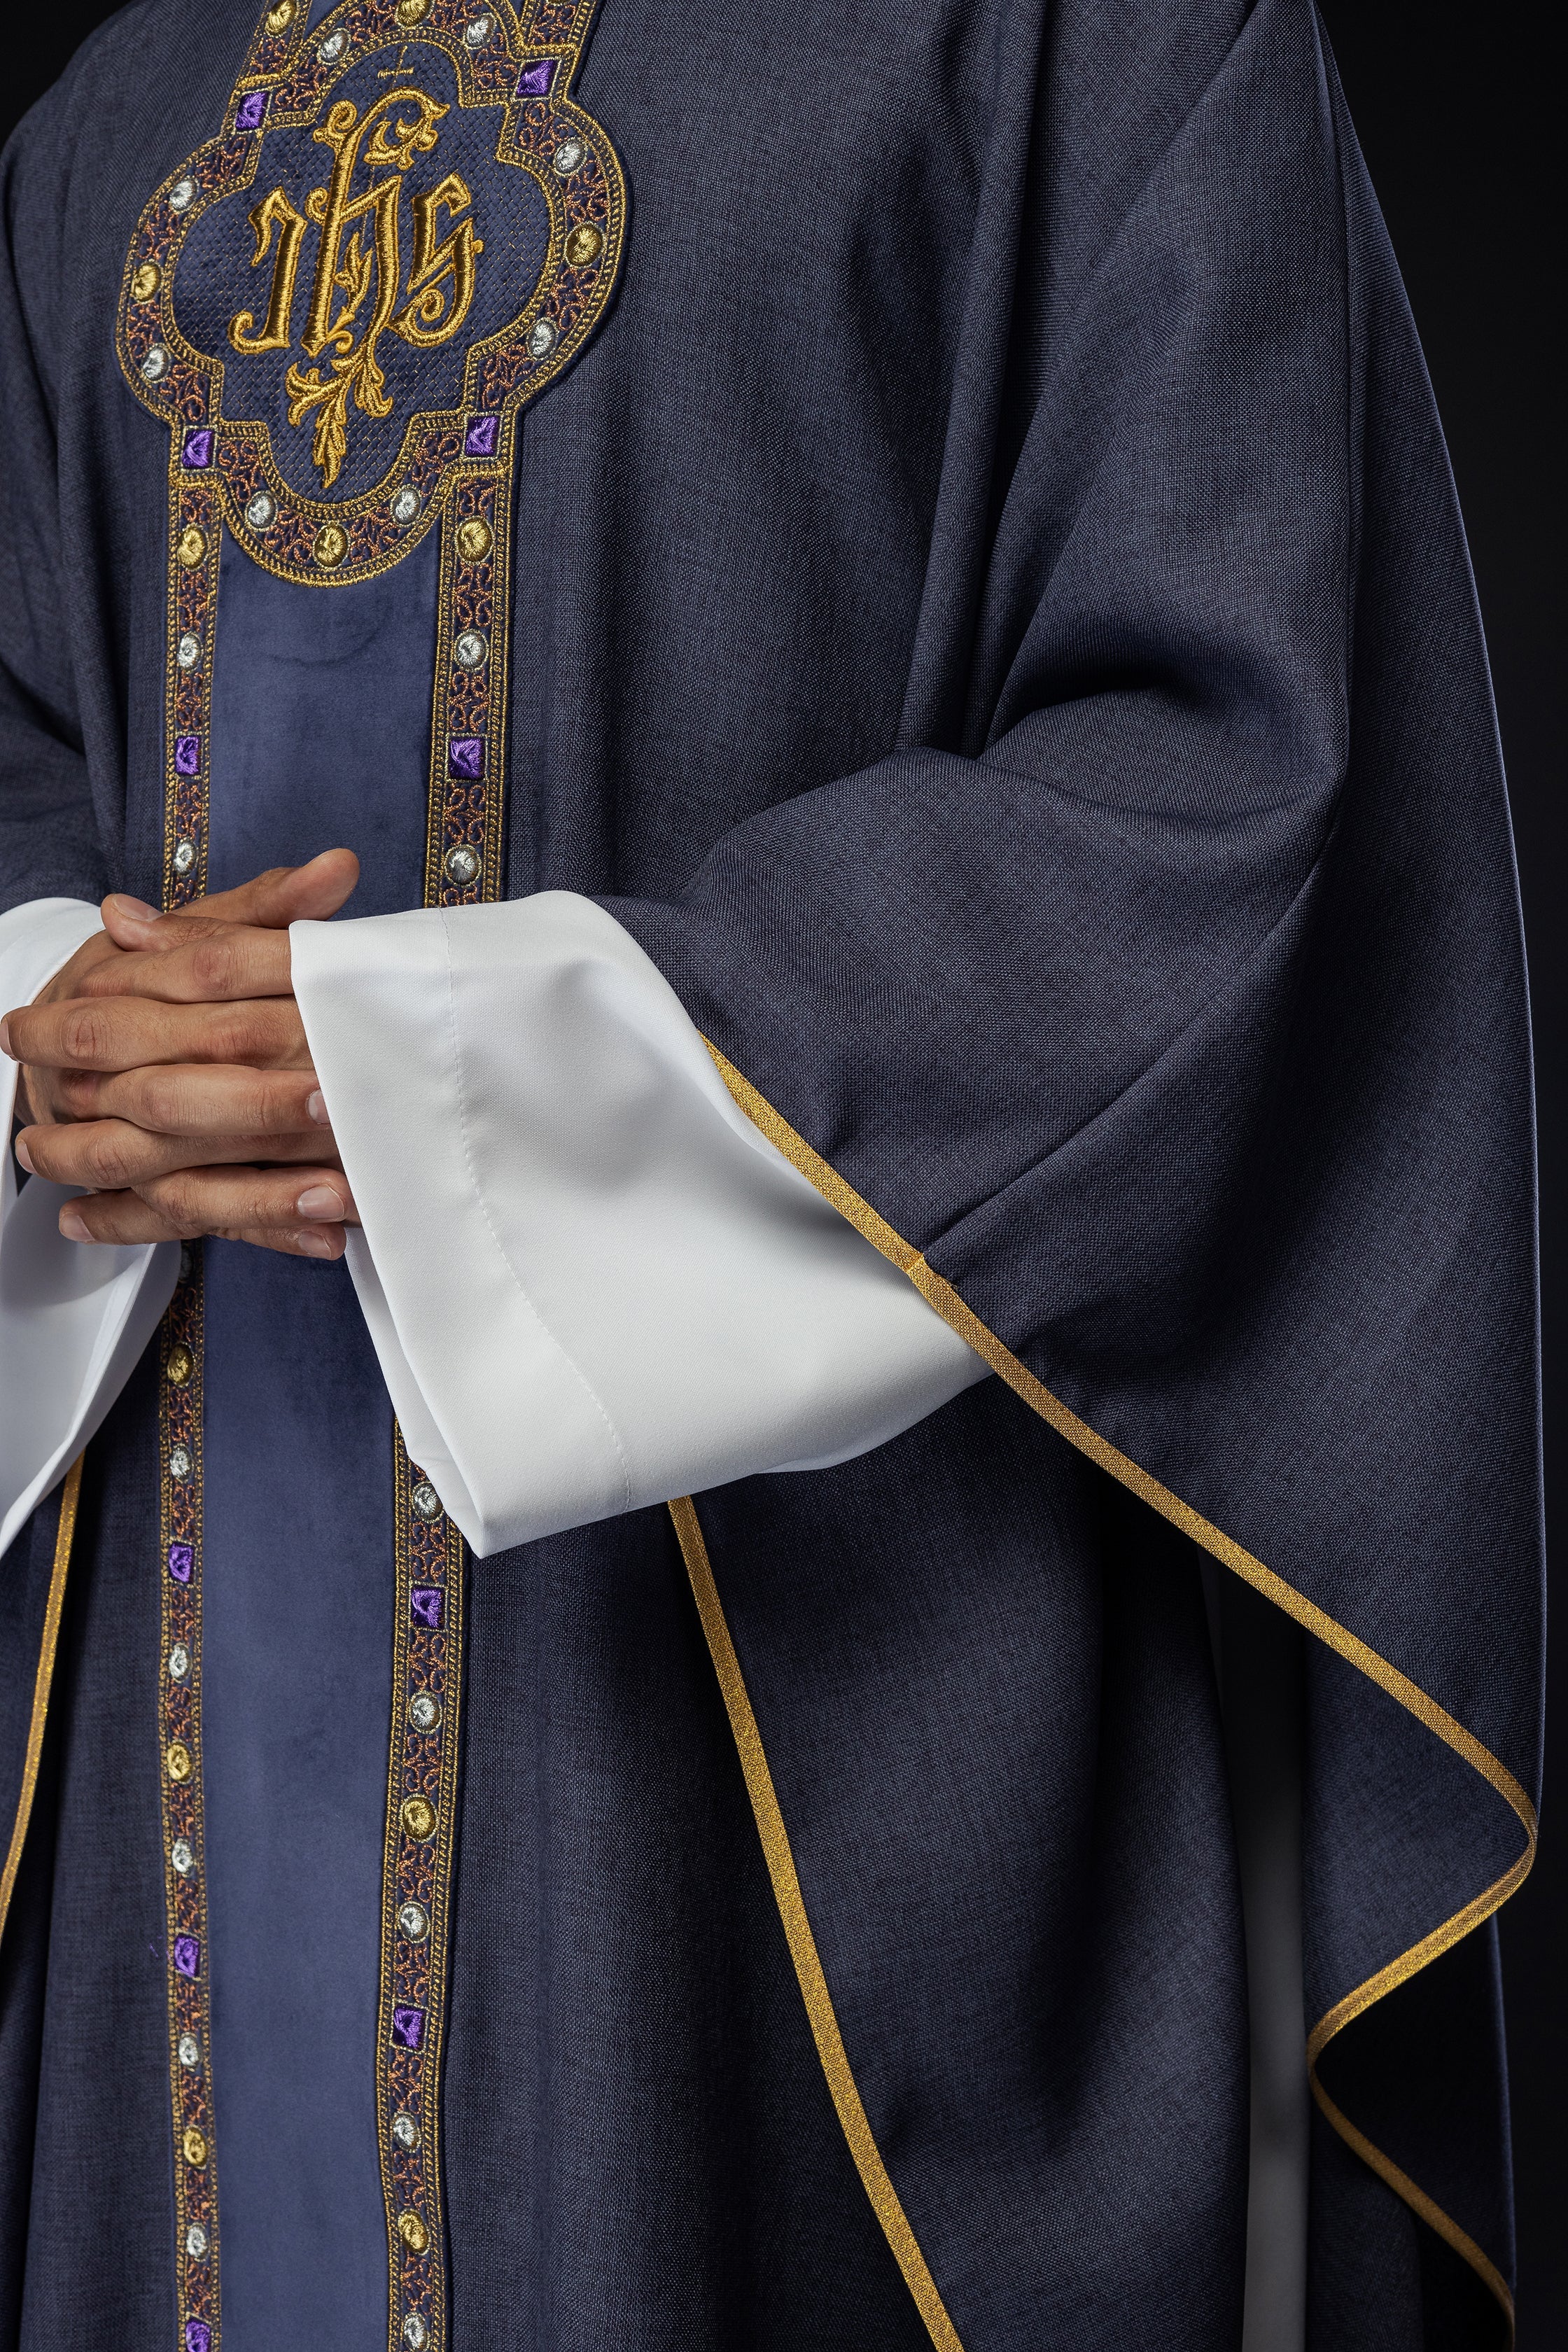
[1453, 112]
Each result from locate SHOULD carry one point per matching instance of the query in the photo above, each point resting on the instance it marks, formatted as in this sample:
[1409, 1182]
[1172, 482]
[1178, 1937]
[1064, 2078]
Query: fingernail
[23, 1155]
[313, 1244]
[319, 1200]
[5, 1038]
[74, 1226]
[317, 1107]
[136, 908]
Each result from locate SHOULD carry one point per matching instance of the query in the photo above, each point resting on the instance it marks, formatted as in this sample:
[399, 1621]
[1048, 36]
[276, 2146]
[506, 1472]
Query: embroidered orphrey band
[299, 307]
[184, 1858]
[421, 1823]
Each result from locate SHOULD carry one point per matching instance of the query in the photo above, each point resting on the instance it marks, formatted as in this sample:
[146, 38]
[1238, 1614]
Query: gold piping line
[1418, 2200]
[948, 1304]
[818, 2000]
[53, 1607]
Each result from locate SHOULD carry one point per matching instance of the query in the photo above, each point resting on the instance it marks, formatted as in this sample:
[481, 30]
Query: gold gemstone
[180, 1364]
[192, 546]
[412, 11]
[418, 1817]
[475, 539]
[146, 282]
[278, 20]
[194, 2146]
[331, 546]
[179, 1761]
[584, 245]
[413, 2232]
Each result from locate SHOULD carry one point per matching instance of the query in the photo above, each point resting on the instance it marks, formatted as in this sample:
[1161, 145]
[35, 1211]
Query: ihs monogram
[429, 311]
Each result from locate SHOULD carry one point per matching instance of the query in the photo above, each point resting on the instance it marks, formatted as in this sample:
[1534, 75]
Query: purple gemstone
[182, 1559]
[409, 2027]
[198, 2335]
[466, 756]
[187, 1955]
[196, 449]
[188, 755]
[250, 111]
[479, 441]
[425, 1604]
[534, 81]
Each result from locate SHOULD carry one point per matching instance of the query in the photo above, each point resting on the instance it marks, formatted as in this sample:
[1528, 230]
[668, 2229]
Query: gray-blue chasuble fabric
[935, 515]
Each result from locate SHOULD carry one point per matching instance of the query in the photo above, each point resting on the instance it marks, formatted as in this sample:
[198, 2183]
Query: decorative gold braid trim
[416, 1887]
[814, 1988]
[1419, 2202]
[1437, 1720]
[42, 1683]
[181, 1574]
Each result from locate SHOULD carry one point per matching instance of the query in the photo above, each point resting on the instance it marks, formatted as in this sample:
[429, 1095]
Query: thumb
[284, 894]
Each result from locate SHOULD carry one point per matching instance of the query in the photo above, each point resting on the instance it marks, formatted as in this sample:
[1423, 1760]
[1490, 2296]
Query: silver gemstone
[184, 858]
[332, 48]
[261, 511]
[180, 1462]
[478, 33]
[413, 1922]
[568, 155]
[189, 651]
[470, 651]
[182, 195]
[415, 2334]
[462, 865]
[541, 336]
[190, 2050]
[179, 1661]
[183, 1857]
[405, 505]
[406, 2131]
[426, 1500]
[156, 364]
[195, 2241]
[424, 1711]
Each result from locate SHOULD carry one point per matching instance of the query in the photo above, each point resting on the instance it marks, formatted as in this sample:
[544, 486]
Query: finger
[123, 1032]
[283, 895]
[228, 1200]
[194, 962]
[125, 1218]
[107, 1155]
[197, 1098]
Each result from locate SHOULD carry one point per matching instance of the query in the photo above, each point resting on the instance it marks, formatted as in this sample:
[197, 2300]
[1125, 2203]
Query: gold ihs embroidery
[361, 248]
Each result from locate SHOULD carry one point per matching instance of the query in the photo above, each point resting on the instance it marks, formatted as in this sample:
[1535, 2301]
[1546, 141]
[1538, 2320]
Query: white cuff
[592, 1283]
[73, 1320]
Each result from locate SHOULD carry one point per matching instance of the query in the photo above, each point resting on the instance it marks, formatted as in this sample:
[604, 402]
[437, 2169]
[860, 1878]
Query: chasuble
[909, 1543]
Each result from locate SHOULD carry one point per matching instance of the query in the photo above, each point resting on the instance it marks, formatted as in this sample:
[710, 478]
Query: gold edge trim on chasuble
[950, 1306]
[818, 2000]
[43, 1685]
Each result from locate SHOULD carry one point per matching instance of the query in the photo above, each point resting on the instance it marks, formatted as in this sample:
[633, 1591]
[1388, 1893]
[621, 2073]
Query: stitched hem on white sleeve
[591, 1282]
[73, 1319]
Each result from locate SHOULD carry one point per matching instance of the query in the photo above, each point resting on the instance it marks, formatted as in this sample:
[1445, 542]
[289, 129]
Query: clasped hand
[165, 1067]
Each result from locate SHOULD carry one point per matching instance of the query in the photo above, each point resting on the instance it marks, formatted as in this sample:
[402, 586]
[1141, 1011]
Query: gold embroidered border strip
[180, 1774]
[950, 1306]
[421, 1829]
[43, 1681]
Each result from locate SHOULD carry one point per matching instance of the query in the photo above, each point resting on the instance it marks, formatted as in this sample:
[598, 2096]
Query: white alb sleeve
[73, 1319]
[592, 1283]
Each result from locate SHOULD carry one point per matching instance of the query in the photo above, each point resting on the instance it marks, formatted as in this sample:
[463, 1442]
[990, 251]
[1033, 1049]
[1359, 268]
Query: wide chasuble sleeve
[987, 614]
